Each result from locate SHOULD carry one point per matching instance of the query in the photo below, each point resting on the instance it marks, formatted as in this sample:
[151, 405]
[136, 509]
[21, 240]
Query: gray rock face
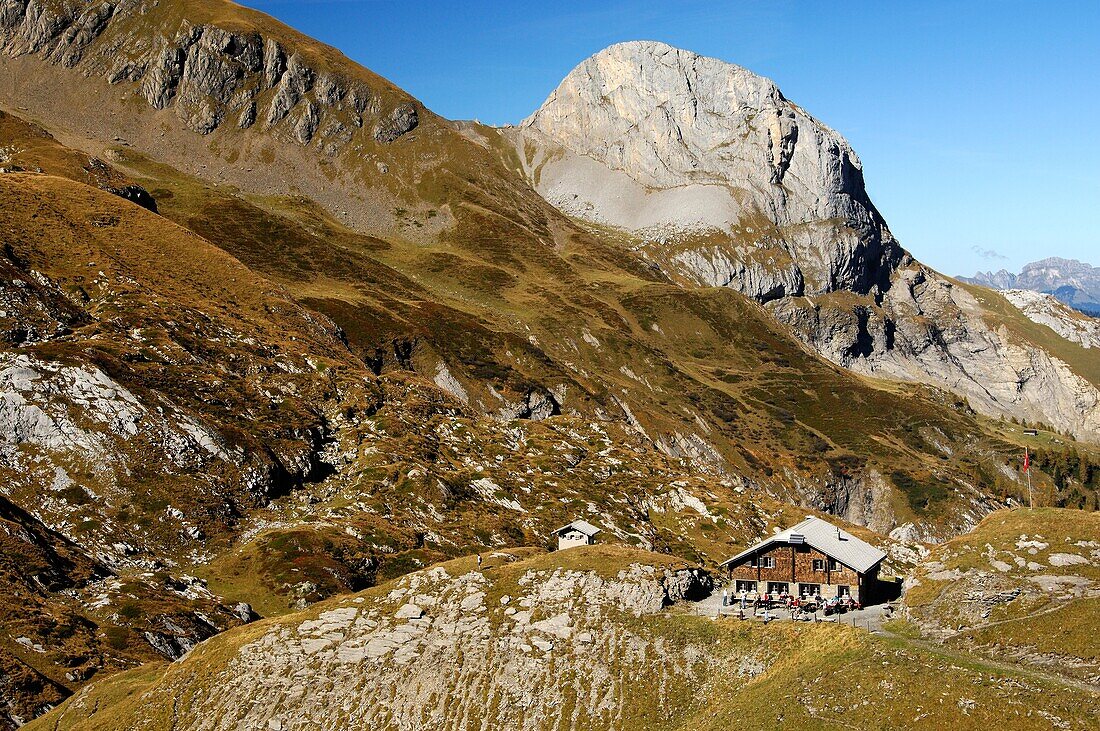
[692, 145]
[727, 183]
[293, 85]
[928, 330]
[208, 74]
[1046, 309]
[37, 401]
[401, 120]
[245, 612]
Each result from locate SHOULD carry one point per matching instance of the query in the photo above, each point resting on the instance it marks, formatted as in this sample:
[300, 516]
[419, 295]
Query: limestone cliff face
[210, 75]
[695, 145]
[727, 183]
[928, 330]
[1046, 309]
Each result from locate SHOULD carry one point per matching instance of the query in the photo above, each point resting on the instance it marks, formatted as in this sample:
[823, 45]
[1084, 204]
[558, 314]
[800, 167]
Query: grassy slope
[1059, 623]
[1058, 528]
[139, 290]
[145, 291]
[773, 410]
[29, 146]
[504, 267]
[820, 676]
[1066, 630]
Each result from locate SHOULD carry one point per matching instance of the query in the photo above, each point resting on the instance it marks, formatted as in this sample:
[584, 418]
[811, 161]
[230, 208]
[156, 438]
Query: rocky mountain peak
[671, 146]
[1073, 282]
[721, 181]
[662, 114]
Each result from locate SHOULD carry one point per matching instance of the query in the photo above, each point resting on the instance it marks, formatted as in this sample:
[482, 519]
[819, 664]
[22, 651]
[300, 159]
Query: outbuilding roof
[580, 525]
[829, 539]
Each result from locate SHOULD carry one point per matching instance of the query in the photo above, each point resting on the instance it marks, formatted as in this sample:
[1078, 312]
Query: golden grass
[1069, 630]
[819, 676]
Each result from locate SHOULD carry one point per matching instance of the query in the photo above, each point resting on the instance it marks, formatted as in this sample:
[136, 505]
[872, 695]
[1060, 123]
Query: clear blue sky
[977, 122]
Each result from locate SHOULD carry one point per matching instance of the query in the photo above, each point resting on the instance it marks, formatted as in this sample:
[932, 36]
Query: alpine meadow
[321, 411]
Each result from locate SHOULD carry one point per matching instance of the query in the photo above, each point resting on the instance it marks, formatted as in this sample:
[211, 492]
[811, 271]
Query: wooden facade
[790, 563]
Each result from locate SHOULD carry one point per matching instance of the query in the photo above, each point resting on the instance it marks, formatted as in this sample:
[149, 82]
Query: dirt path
[873, 619]
[937, 648]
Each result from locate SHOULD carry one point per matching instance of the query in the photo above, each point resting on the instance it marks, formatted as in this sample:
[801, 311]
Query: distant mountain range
[1073, 282]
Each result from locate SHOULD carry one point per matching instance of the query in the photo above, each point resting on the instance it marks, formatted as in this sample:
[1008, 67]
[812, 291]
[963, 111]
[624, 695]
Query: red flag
[1027, 460]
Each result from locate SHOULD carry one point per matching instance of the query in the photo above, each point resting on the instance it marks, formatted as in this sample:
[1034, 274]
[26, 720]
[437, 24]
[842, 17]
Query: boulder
[403, 119]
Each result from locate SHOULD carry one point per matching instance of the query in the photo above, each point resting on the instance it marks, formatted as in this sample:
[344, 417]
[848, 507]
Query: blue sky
[976, 122]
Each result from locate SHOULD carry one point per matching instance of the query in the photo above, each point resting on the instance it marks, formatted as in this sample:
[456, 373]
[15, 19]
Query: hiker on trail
[479, 562]
[742, 600]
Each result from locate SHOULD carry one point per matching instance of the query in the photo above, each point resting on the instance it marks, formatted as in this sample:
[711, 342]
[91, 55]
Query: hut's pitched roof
[824, 536]
[581, 525]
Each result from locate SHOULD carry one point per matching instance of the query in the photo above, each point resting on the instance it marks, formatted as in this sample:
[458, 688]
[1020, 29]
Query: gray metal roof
[827, 538]
[582, 525]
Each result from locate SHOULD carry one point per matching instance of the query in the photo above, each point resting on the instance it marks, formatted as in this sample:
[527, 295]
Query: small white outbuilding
[577, 533]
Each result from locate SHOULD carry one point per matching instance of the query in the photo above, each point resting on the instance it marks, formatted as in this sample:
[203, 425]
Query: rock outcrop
[1000, 588]
[211, 76]
[451, 642]
[136, 194]
[1046, 309]
[725, 182]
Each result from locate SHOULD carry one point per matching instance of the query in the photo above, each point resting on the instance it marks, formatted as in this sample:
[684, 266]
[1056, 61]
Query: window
[808, 590]
[752, 562]
[767, 562]
[834, 565]
[777, 587]
[819, 564]
[842, 590]
[745, 586]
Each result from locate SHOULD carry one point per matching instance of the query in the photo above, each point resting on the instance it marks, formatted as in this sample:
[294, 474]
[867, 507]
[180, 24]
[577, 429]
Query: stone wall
[571, 539]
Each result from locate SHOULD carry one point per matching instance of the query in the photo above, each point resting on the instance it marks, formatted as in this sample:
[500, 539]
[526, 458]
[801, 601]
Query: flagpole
[1027, 469]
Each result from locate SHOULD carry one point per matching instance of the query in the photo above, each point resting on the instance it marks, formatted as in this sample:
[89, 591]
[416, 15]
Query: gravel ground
[870, 618]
